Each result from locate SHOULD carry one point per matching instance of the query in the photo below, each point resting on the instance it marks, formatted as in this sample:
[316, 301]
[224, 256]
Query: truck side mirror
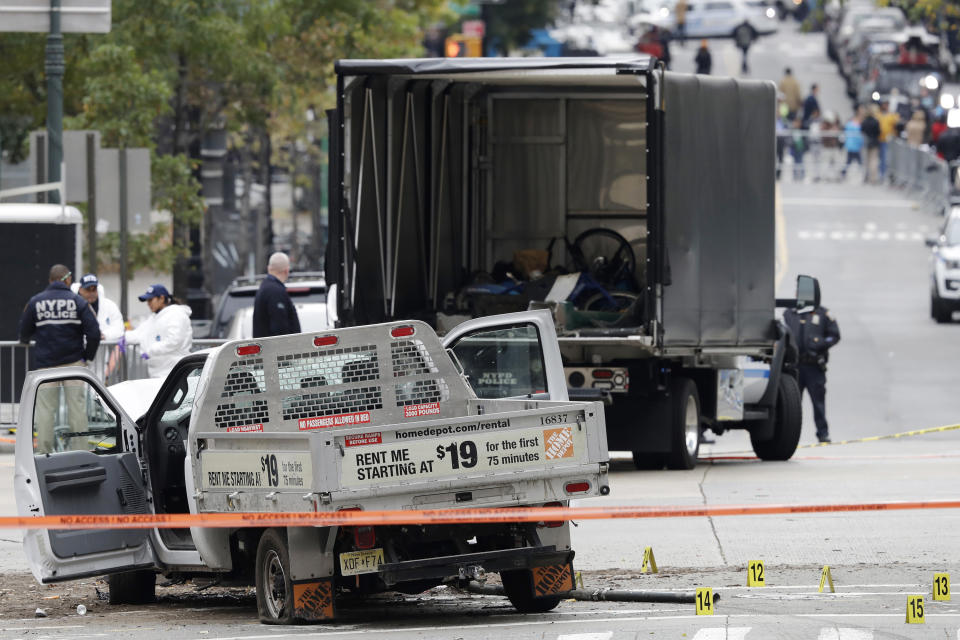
[931, 241]
[808, 292]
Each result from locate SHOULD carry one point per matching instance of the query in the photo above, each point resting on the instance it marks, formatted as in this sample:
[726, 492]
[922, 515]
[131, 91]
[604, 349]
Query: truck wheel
[518, 585]
[788, 418]
[685, 424]
[274, 585]
[132, 587]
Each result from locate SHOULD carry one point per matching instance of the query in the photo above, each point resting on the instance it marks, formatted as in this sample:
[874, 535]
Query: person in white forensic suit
[108, 313]
[166, 335]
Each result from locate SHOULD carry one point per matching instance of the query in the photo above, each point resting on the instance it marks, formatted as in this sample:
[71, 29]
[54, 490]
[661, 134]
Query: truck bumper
[466, 564]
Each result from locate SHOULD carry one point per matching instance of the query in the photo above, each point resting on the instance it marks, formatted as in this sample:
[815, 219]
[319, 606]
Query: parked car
[840, 31]
[716, 18]
[303, 287]
[313, 319]
[945, 271]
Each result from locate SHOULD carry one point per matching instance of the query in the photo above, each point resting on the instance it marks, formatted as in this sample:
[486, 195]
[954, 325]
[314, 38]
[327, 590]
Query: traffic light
[461, 46]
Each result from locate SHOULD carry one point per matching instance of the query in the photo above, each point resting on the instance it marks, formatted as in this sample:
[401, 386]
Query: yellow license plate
[353, 563]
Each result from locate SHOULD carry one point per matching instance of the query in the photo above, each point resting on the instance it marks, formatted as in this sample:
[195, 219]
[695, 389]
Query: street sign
[74, 157]
[76, 16]
[108, 190]
[473, 28]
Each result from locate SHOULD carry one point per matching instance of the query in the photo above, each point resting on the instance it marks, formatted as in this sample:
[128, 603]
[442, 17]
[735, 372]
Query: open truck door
[76, 453]
[512, 355]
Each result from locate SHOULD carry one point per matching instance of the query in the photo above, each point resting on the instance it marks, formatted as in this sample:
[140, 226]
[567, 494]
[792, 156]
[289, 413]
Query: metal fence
[918, 169]
[111, 365]
[811, 156]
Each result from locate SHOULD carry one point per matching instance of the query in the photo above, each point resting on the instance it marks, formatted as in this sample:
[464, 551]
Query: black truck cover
[719, 204]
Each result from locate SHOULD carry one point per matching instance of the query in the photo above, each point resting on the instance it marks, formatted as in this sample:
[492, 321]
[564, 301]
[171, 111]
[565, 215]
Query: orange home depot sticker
[420, 410]
[342, 420]
[247, 428]
[558, 443]
[359, 439]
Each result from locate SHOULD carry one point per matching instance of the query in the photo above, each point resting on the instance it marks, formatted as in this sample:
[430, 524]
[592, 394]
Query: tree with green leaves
[509, 23]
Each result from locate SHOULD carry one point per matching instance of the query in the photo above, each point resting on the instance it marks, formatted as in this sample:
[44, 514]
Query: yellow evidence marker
[704, 601]
[915, 610]
[941, 586]
[755, 574]
[649, 562]
[826, 578]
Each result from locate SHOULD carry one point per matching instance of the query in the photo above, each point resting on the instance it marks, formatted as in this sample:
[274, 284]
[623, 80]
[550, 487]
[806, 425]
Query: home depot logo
[558, 443]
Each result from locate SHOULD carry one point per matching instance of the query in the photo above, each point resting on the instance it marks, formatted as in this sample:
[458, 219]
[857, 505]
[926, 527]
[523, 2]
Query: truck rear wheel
[274, 585]
[133, 587]
[685, 424]
[787, 421]
[518, 585]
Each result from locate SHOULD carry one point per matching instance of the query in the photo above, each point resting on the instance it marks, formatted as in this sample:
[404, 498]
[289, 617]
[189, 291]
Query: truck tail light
[577, 487]
[325, 341]
[402, 332]
[363, 537]
[248, 350]
[602, 374]
[553, 524]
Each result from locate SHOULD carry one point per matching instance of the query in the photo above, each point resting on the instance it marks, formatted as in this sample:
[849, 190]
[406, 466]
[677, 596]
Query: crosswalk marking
[722, 633]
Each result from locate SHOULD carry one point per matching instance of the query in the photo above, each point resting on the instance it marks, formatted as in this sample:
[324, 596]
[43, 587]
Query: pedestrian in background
[830, 131]
[108, 313]
[811, 106]
[888, 129]
[853, 141]
[815, 332]
[273, 310]
[680, 13]
[870, 126]
[744, 38]
[166, 335]
[916, 129]
[703, 60]
[790, 89]
[66, 334]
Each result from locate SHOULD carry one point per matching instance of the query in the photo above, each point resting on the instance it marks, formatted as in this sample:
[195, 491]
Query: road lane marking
[849, 202]
[604, 635]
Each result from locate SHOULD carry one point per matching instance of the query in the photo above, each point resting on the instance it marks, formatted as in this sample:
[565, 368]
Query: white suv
[716, 18]
[945, 288]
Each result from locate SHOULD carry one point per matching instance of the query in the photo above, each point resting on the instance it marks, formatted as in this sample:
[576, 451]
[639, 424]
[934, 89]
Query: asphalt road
[893, 371]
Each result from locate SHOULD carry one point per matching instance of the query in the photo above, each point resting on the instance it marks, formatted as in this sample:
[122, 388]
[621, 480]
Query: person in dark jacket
[704, 60]
[62, 323]
[273, 311]
[815, 332]
[66, 332]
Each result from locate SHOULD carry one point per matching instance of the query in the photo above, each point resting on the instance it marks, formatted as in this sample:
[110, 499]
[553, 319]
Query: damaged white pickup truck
[380, 417]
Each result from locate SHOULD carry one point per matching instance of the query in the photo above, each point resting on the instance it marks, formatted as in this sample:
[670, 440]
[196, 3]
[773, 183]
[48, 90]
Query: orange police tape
[440, 516]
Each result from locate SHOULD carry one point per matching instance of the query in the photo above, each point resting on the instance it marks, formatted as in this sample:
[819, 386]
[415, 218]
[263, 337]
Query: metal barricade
[917, 169]
[805, 156]
[111, 365]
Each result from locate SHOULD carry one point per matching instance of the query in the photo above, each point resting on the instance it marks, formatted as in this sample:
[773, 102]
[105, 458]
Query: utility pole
[53, 65]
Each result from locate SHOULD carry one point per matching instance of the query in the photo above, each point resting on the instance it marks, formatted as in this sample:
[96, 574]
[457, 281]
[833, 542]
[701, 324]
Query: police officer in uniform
[273, 310]
[67, 334]
[815, 331]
